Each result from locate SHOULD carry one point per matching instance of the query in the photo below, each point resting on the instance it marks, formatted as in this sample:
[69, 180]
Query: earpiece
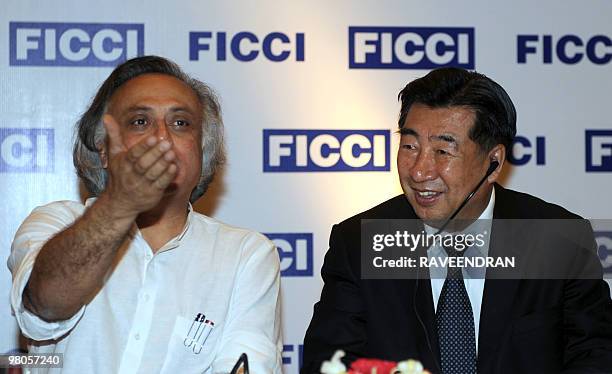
[492, 167]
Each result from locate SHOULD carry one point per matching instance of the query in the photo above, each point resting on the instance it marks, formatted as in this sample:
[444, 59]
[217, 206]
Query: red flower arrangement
[371, 366]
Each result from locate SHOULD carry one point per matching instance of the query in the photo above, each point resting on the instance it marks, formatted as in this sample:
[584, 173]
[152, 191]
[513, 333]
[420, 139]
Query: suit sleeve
[588, 314]
[339, 318]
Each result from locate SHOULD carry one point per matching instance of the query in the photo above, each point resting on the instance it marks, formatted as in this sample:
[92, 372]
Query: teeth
[426, 193]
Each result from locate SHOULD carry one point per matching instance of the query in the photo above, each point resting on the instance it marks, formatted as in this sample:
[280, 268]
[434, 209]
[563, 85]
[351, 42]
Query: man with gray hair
[135, 281]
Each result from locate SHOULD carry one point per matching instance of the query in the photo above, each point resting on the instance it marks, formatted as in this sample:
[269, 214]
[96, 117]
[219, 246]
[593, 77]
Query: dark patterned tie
[455, 323]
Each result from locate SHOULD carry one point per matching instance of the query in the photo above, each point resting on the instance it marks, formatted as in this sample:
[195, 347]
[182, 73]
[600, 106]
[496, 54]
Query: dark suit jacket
[526, 325]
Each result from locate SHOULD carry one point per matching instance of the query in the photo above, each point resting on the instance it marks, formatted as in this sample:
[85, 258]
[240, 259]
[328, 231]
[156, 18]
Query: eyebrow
[445, 138]
[448, 138]
[144, 108]
[406, 131]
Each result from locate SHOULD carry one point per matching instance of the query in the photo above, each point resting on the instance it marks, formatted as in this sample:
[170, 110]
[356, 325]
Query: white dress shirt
[143, 319]
[474, 279]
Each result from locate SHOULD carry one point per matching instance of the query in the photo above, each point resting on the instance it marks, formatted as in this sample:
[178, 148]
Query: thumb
[113, 135]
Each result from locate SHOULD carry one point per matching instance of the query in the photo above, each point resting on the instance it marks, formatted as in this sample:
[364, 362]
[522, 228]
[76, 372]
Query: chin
[428, 214]
[428, 217]
[171, 189]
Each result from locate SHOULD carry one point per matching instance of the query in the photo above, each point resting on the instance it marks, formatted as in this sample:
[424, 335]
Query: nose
[424, 168]
[161, 131]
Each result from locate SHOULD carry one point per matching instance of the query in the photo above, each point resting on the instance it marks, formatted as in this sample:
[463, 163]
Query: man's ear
[498, 153]
[103, 155]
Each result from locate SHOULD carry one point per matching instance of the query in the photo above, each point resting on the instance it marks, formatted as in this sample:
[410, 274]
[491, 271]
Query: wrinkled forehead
[425, 121]
[155, 88]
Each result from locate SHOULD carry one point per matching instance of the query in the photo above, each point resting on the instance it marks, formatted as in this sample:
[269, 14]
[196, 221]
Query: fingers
[166, 177]
[160, 166]
[146, 153]
[141, 148]
[113, 133]
[154, 160]
[148, 166]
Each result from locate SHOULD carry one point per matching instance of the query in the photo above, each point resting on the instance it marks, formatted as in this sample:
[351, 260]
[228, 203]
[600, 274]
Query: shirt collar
[487, 213]
[481, 225]
[188, 222]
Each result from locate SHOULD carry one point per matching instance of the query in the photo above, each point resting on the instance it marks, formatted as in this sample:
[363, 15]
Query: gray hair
[90, 132]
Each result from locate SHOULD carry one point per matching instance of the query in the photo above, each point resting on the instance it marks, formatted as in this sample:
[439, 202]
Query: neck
[162, 223]
[477, 205]
[469, 213]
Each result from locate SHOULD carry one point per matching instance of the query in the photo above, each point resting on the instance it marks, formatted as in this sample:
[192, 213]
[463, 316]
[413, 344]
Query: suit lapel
[497, 301]
[424, 307]
[420, 299]
[499, 294]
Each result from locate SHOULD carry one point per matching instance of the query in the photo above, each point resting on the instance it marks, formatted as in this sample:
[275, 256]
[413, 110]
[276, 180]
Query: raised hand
[138, 176]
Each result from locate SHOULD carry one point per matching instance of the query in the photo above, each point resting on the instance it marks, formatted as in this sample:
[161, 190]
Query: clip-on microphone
[494, 164]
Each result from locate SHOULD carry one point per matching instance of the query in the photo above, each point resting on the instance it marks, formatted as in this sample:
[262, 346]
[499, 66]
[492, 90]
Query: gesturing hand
[138, 176]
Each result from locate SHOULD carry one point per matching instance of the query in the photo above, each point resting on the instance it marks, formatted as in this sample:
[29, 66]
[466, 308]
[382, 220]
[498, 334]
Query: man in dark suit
[456, 127]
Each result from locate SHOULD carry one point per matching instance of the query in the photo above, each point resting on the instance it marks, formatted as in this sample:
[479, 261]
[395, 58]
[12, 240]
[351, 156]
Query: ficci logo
[26, 150]
[246, 46]
[74, 44]
[295, 252]
[326, 150]
[410, 47]
[598, 147]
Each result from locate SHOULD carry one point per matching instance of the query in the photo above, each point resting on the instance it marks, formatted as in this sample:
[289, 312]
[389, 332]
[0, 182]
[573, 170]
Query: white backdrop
[561, 90]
